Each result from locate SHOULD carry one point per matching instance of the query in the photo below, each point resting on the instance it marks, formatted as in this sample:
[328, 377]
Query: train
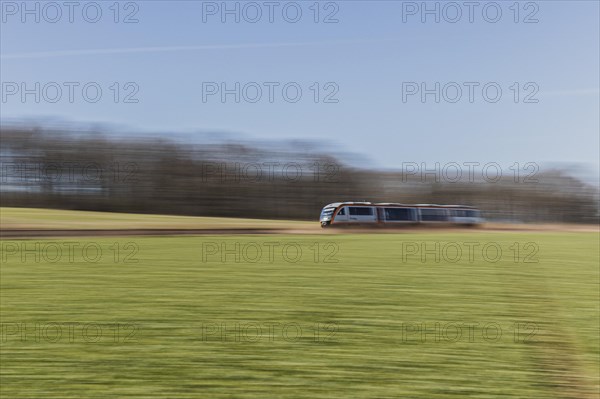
[396, 214]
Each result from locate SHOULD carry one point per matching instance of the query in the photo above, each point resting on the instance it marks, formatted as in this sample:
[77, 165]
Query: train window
[465, 213]
[342, 212]
[360, 211]
[398, 214]
[433, 215]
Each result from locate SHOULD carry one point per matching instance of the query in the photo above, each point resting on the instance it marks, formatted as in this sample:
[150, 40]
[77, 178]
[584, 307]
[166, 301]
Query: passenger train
[391, 214]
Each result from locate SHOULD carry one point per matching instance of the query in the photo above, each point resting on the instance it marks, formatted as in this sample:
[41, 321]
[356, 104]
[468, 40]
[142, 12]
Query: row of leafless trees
[63, 168]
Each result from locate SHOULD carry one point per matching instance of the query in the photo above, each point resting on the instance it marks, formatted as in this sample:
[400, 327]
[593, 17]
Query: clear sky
[178, 51]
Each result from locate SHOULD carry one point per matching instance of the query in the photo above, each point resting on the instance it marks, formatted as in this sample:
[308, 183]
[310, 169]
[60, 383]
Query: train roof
[337, 204]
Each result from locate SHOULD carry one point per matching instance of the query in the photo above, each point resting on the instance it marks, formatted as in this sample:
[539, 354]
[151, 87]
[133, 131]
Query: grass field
[349, 316]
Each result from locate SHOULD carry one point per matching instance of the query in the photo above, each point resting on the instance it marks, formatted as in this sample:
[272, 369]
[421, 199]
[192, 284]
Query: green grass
[33, 218]
[175, 298]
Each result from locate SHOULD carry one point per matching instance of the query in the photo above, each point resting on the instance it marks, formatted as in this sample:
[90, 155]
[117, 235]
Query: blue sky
[366, 58]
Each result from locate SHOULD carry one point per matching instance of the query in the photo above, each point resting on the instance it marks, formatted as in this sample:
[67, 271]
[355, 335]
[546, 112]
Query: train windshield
[327, 212]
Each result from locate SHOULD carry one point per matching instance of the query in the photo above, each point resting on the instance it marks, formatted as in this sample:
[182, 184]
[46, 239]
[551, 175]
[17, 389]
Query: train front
[327, 215]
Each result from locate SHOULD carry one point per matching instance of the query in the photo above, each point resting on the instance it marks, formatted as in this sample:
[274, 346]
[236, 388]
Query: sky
[497, 82]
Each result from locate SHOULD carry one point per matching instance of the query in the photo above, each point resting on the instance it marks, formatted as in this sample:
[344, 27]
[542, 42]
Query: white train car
[391, 214]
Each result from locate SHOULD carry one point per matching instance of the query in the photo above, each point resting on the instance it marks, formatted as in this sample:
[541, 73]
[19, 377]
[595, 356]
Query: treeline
[61, 168]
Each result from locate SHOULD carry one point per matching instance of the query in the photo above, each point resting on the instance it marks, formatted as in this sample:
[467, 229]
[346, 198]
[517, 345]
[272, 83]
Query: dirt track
[129, 232]
[42, 233]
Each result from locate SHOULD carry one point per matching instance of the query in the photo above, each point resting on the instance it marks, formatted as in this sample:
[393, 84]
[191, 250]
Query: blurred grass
[171, 293]
[33, 218]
